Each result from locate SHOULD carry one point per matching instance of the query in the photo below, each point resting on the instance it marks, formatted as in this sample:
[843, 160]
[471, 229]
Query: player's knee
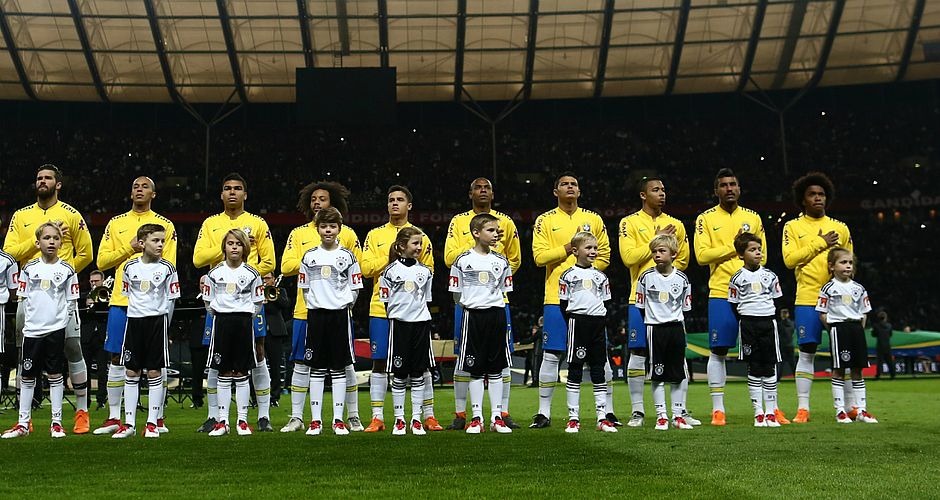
[639, 352]
[73, 350]
[131, 373]
[116, 360]
[378, 365]
[809, 348]
[720, 351]
[152, 374]
[760, 369]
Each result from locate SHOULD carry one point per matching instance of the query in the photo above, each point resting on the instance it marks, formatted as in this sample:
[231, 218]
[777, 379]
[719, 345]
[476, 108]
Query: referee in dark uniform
[276, 311]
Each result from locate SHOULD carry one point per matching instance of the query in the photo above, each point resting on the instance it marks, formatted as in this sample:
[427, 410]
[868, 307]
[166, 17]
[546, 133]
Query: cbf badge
[586, 228]
[746, 227]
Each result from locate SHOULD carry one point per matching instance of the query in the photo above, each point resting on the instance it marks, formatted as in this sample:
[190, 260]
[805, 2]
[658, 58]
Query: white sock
[427, 407]
[476, 398]
[352, 392]
[678, 395]
[261, 377]
[769, 386]
[57, 394]
[659, 398]
[717, 375]
[317, 383]
[600, 400]
[804, 378]
[338, 380]
[212, 395]
[861, 398]
[608, 389]
[131, 397]
[242, 397]
[417, 398]
[166, 388]
[78, 375]
[115, 391]
[573, 398]
[495, 389]
[154, 399]
[507, 383]
[27, 388]
[461, 385]
[755, 389]
[377, 384]
[398, 397]
[224, 388]
[299, 385]
[548, 375]
[838, 394]
[636, 378]
[850, 396]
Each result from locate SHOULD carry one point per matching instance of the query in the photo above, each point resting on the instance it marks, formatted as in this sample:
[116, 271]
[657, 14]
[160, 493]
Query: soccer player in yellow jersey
[208, 252]
[551, 248]
[119, 245]
[459, 240]
[375, 252]
[76, 250]
[635, 233]
[313, 198]
[715, 231]
[806, 243]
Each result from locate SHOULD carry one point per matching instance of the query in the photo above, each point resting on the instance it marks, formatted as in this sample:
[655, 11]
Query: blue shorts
[722, 325]
[458, 321]
[117, 325]
[636, 329]
[808, 325]
[378, 337]
[299, 340]
[554, 329]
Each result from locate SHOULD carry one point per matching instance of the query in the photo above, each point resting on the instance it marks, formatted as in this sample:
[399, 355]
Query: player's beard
[46, 195]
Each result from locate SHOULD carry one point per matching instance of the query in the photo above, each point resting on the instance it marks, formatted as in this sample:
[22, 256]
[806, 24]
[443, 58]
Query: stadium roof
[203, 51]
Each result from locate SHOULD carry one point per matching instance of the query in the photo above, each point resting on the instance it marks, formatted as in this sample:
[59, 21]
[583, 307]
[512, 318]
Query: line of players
[551, 248]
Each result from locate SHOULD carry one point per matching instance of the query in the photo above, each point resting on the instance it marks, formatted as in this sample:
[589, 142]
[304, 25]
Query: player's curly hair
[339, 194]
[812, 179]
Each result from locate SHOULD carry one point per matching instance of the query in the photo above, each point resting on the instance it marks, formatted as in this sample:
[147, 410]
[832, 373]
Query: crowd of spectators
[888, 154]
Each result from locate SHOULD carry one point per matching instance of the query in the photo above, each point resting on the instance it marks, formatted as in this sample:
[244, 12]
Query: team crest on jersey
[58, 277]
[157, 278]
[27, 364]
[746, 349]
[659, 369]
[242, 281]
[397, 362]
[580, 353]
[856, 292]
[126, 357]
[586, 227]
[341, 261]
[676, 289]
[766, 279]
[845, 356]
[308, 354]
[247, 231]
[746, 227]
[469, 361]
[217, 358]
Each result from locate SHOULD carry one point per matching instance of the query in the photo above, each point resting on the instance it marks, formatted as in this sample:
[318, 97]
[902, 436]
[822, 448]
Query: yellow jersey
[303, 238]
[208, 249]
[636, 232]
[375, 258]
[459, 239]
[115, 247]
[553, 230]
[806, 253]
[715, 231]
[76, 247]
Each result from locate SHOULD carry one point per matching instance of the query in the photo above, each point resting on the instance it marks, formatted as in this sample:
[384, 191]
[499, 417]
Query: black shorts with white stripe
[666, 360]
[44, 354]
[587, 339]
[329, 339]
[759, 341]
[847, 345]
[145, 343]
[409, 348]
[233, 343]
[484, 342]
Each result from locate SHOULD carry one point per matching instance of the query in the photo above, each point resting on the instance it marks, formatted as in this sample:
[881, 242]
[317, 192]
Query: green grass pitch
[899, 457]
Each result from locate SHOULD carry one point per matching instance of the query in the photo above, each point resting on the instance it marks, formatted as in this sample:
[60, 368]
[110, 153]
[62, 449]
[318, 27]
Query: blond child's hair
[242, 238]
[665, 240]
[580, 238]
